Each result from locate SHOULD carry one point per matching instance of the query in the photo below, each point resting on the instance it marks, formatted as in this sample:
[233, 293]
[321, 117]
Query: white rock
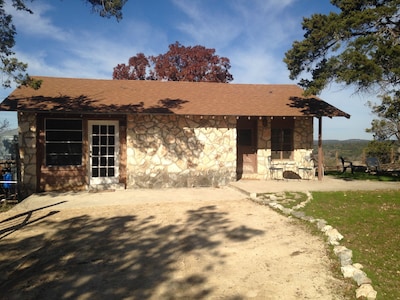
[348, 271]
[321, 223]
[333, 236]
[361, 278]
[367, 291]
[345, 257]
[338, 249]
[358, 266]
[273, 197]
[273, 204]
[286, 211]
[276, 205]
[326, 228]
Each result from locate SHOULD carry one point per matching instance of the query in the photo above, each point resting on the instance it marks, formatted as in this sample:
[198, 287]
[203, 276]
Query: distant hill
[351, 149]
[349, 141]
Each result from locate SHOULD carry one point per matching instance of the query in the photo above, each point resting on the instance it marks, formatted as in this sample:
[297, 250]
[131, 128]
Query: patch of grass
[369, 222]
[286, 199]
[364, 176]
[5, 206]
[290, 200]
[297, 197]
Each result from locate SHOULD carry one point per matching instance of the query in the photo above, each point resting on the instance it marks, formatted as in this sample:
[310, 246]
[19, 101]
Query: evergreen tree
[358, 46]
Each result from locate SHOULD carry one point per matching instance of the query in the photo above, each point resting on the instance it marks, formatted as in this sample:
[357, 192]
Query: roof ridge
[163, 81]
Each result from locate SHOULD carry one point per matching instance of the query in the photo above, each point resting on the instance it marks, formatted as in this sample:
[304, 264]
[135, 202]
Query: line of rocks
[348, 268]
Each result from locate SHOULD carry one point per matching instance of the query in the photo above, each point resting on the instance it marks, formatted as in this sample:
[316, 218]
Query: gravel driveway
[161, 244]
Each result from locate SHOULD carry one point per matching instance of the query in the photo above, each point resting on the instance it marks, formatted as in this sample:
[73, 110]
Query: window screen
[282, 143]
[63, 142]
[245, 137]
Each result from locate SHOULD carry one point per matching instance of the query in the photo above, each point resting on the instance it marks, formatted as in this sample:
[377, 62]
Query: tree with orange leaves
[180, 63]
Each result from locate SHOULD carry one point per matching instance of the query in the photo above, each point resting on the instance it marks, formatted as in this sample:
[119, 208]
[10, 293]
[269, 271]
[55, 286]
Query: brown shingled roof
[184, 98]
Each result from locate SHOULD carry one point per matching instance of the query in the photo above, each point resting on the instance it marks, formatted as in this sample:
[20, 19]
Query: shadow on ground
[114, 257]
[16, 222]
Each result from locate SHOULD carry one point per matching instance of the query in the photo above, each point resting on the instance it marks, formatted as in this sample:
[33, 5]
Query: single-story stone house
[79, 134]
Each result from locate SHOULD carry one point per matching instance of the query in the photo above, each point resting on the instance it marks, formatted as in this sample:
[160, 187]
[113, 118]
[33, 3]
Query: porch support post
[320, 155]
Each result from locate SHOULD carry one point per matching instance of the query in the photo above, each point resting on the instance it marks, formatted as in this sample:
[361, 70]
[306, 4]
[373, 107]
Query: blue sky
[65, 39]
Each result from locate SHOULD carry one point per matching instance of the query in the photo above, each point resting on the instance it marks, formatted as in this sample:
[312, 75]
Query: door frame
[248, 147]
[98, 181]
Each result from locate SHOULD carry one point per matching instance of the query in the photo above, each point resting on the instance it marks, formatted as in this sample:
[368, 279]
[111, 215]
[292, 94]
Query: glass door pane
[103, 137]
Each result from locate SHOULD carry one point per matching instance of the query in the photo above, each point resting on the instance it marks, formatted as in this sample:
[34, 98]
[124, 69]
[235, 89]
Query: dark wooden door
[246, 146]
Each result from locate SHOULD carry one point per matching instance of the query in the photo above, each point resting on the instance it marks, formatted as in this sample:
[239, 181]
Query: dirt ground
[176, 244]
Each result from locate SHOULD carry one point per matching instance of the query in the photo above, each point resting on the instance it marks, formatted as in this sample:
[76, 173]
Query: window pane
[63, 160]
[245, 137]
[63, 136]
[95, 140]
[111, 172]
[276, 155]
[95, 150]
[103, 129]
[287, 144]
[275, 140]
[65, 149]
[95, 129]
[63, 142]
[61, 124]
[282, 143]
[286, 154]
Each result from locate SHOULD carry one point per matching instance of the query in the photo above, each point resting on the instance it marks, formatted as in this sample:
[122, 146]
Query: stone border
[348, 268]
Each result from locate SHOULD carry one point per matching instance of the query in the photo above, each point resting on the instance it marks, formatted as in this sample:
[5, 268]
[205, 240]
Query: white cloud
[254, 36]
[207, 25]
[237, 21]
[37, 64]
[257, 65]
[37, 24]
[93, 53]
[96, 54]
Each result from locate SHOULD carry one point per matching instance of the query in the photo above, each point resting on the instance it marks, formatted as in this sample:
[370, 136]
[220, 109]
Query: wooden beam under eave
[320, 154]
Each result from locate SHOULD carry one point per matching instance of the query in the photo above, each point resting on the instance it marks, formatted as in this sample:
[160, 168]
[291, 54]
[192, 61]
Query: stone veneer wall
[180, 151]
[27, 152]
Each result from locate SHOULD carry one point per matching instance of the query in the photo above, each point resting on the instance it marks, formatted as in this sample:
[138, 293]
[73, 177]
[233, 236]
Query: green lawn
[383, 176]
[370, 224]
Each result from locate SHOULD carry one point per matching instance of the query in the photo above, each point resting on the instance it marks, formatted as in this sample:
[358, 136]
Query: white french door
[103, 152]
